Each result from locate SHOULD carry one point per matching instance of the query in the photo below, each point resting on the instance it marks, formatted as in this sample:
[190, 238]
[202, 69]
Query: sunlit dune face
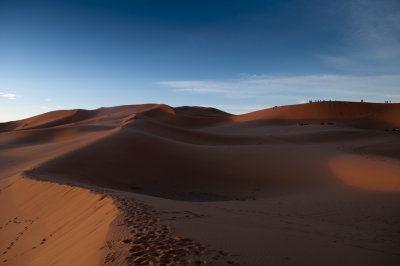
[367, 173]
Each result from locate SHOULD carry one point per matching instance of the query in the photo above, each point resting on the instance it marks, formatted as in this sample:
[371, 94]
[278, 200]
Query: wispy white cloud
[49, 108]
[371, 36]
[9, 96]
[375, 26]
[48, 99]
[297, 88]
[302, 101]
[237, 109]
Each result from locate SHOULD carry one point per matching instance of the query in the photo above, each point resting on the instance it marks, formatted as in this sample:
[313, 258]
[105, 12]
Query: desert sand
[308, 184]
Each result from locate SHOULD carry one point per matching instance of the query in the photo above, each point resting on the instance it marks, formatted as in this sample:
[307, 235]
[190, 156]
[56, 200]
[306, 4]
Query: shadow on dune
[197, 153]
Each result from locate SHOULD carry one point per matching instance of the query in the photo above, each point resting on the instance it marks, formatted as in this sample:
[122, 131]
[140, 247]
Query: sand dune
[349, 113]
[45, 223]
[201, 158]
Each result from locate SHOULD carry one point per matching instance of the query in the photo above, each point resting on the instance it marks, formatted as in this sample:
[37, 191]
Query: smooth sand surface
[310, 184]
[49, 224]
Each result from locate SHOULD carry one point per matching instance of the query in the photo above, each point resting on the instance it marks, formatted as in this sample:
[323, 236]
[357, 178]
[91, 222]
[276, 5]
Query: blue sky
[238, 56]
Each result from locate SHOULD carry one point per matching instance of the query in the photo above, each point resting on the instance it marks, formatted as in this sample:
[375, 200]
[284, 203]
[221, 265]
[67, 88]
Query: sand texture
[309, 184]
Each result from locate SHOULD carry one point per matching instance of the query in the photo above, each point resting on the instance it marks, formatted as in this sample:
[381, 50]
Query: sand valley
[308, 184]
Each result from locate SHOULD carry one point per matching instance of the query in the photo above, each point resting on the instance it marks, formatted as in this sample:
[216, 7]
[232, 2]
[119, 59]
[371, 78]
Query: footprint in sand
[153, 243]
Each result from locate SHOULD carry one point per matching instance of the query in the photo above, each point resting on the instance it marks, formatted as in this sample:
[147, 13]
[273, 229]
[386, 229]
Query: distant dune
[162, 150]
[373, 114]
[348, 113]
[196, 154]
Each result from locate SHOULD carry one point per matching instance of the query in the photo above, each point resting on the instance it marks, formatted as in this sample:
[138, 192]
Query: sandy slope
[302, 184]
[49, 224]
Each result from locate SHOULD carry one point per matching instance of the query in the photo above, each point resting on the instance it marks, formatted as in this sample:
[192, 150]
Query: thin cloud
[371, 39]
[375, 26]
[237, 109]
[49, 108]
[9, 96]
[48, 99]
[297, 88]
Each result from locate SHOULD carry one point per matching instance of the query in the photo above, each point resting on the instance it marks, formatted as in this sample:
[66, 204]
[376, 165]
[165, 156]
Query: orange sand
[310, 184]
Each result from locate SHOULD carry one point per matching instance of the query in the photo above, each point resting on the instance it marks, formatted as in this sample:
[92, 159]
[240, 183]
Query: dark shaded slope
[348, 113]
